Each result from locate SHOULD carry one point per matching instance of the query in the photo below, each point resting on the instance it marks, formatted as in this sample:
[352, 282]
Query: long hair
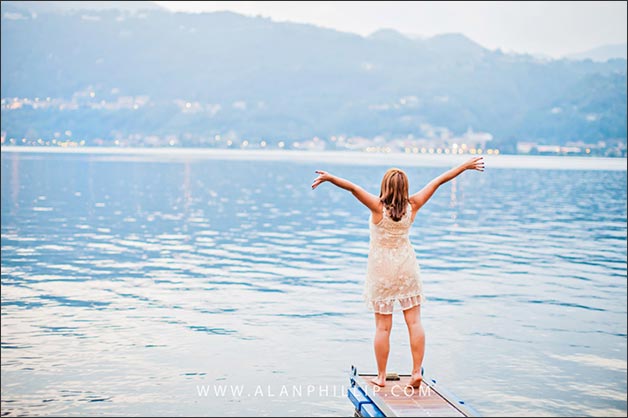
[394, 193]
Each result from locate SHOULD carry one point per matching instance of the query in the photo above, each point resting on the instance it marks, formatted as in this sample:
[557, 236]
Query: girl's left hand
[323, 176]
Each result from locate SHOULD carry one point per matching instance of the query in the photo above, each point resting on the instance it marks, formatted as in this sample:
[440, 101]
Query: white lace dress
[393, 273]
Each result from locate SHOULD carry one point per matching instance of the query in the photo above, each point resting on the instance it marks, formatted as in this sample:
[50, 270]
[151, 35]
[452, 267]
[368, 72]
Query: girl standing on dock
[393, 273]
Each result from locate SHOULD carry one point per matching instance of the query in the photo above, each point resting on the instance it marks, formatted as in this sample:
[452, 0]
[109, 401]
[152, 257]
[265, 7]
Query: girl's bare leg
[383, 325]
[417, 343]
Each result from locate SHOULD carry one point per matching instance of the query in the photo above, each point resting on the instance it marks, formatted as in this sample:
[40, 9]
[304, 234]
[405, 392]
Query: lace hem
[386, 306]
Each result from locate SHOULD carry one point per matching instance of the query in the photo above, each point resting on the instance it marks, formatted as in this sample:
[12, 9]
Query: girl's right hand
[475, 163]
[323, 176]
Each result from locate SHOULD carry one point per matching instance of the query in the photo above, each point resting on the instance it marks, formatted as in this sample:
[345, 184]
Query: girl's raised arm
[367, 199]
[420, 198]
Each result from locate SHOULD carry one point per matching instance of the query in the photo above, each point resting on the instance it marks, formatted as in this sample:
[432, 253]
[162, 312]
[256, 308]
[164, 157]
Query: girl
[392, 272]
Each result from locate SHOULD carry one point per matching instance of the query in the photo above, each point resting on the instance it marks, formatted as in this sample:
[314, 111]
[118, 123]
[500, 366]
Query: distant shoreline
[336, 157]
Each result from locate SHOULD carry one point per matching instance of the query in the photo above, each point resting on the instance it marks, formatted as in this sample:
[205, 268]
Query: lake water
[132, 283]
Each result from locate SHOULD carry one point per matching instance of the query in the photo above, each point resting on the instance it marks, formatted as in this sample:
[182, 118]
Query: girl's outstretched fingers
[319, 179]
[476, 163]
[480, 164]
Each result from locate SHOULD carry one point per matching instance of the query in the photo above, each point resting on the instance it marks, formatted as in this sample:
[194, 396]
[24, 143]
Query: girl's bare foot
[379, 381]
[415, 381]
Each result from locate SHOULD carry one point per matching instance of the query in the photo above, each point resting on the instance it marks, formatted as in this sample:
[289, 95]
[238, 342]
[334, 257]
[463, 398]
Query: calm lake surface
[133, 283]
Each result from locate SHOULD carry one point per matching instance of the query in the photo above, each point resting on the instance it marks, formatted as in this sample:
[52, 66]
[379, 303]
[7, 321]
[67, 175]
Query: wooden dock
[398, 400]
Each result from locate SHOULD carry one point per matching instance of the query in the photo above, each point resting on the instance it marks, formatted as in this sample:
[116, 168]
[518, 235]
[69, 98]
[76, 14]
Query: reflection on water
[127, 284]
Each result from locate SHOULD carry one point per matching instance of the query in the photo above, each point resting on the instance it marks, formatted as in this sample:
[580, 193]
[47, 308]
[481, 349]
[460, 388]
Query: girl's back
[392, 271]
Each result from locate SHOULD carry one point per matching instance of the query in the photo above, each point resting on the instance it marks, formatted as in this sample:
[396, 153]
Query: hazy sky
[548, 28]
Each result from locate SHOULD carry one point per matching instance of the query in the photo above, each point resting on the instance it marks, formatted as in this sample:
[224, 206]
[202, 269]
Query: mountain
[602, 53]
[390, 35]
[110, 73]
[455, 44]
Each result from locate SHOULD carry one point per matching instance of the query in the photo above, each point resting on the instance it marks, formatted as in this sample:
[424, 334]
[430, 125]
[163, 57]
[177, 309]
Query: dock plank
[409, 402]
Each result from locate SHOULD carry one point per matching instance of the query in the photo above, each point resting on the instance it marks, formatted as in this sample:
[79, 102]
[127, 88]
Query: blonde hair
[394, 193]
